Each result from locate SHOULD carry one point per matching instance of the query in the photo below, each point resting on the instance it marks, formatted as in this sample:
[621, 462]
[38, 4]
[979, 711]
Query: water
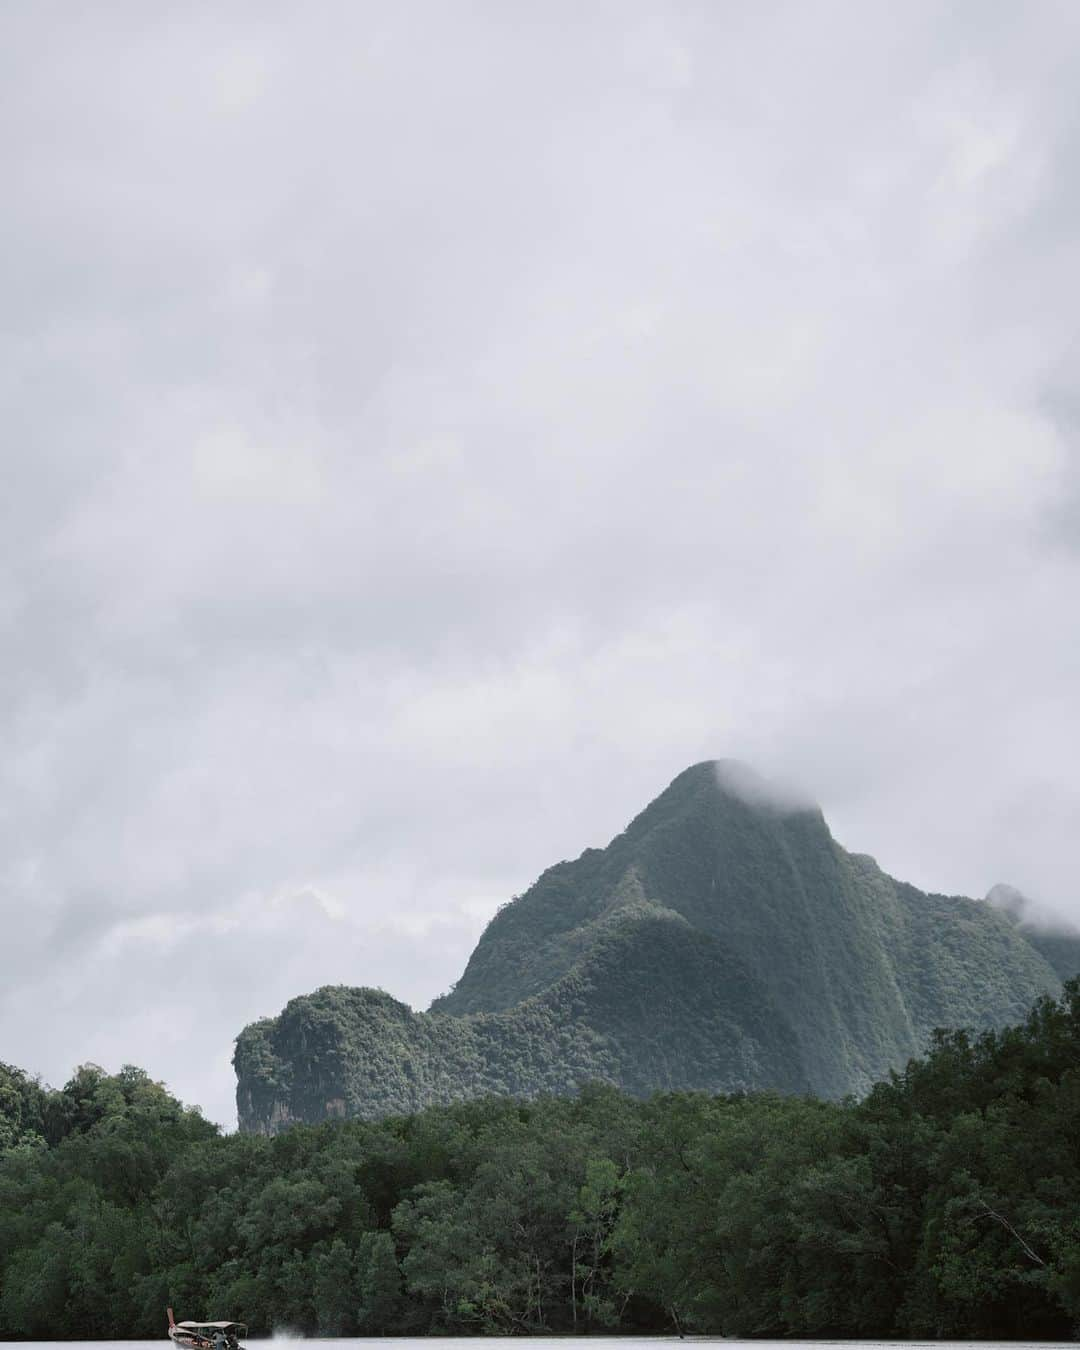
[535, 1343]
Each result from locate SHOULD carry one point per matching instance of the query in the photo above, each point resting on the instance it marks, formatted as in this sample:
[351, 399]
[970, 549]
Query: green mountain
[723, 942]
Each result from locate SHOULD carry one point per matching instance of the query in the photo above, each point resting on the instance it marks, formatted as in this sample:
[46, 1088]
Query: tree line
[946, 1203]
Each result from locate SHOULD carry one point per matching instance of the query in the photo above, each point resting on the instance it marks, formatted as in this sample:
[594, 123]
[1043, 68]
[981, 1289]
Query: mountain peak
[726, 787]
[740, 780]
[723, 941]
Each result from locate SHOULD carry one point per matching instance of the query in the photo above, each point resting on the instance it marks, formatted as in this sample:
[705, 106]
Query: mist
[743, 782]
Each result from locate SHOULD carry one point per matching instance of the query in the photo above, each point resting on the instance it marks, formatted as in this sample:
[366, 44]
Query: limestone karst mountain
[724, 942]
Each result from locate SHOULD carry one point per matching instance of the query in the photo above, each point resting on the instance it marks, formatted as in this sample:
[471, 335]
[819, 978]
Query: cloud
[745, 783]
[426, 433]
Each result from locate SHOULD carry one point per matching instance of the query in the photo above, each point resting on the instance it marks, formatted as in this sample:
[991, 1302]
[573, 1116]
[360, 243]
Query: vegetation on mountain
[652, 1007]
[944, 1204]
[723, 942]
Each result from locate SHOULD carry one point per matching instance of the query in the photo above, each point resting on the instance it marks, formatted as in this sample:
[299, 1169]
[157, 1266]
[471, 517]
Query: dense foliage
[22, 1107]
[651, 1007]
[723, 942]
[946, 1203]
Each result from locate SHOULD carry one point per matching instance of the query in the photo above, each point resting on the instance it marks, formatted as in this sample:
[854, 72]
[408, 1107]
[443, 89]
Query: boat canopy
[212, 1326]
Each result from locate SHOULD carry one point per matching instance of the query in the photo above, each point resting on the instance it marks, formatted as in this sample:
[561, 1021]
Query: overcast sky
[427, 428]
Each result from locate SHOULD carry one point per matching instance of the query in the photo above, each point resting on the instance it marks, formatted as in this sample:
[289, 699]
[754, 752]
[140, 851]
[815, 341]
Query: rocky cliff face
[724, 941]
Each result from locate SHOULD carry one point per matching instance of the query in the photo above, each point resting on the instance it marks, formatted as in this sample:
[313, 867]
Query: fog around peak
[749, 786]
[1032, 914]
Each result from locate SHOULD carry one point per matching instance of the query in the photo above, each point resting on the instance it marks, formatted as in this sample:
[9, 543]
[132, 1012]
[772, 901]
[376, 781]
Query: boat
[206, 1335]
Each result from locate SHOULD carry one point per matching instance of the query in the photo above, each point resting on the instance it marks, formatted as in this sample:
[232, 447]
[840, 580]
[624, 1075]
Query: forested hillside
[724, 942]
[945, 1204]
[651, 1006]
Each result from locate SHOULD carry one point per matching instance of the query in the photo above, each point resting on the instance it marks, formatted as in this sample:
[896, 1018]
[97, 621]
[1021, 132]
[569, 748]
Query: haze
[428, 428]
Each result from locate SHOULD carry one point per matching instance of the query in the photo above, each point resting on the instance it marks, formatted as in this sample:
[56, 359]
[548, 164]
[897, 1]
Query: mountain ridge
[722, 941]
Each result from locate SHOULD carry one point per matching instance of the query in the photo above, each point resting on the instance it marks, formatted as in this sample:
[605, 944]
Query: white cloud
[229, 465]
[427, 433]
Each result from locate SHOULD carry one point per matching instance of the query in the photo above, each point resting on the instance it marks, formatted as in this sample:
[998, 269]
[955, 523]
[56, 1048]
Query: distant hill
[724, 942]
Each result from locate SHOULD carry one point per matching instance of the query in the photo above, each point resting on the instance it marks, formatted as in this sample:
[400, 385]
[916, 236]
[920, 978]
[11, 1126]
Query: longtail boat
[206, 1335]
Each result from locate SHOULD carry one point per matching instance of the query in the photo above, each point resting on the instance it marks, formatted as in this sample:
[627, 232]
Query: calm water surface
[532, 1343]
